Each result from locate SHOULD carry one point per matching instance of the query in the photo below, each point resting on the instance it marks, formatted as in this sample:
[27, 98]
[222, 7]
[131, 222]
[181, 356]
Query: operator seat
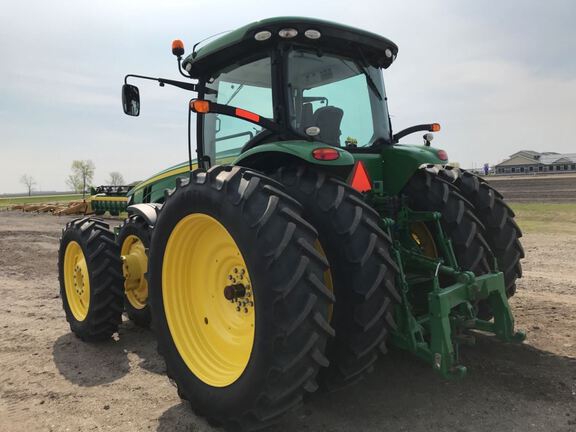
[328, 119]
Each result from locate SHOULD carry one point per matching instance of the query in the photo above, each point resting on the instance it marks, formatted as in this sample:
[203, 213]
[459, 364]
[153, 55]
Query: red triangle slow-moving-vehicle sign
[360, 179]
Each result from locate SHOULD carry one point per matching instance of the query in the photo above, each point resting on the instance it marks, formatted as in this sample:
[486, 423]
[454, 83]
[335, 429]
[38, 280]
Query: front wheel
[237, 296]
[90, 279]
[134, 241]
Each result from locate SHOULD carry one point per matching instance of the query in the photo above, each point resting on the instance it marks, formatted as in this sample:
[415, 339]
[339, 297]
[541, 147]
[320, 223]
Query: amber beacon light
[177, 47]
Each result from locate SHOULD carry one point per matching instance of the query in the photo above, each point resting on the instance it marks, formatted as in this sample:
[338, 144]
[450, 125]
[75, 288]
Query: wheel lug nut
[245, 310]
[238, 308]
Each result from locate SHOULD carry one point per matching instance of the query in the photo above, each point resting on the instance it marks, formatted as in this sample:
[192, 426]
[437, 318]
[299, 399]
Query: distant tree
[115, 179]
[29, 182]
[82, 175]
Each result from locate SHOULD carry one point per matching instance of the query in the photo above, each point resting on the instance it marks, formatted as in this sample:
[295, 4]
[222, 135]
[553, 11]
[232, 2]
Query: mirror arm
[163, 81]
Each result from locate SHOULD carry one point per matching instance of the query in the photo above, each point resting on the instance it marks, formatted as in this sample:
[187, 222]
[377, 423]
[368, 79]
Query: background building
[528, 162]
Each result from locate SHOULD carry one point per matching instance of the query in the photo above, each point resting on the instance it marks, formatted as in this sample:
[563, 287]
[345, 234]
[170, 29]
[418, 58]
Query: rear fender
[271, 156]
[400, 163]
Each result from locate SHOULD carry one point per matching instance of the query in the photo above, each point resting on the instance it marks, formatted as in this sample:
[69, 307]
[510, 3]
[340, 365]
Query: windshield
[247, 86]
[335, 100]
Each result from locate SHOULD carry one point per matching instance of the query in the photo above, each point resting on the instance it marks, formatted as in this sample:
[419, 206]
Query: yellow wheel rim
[76, 281]
[424, 239]
[214, 334]
[134, 267]
[328, 281]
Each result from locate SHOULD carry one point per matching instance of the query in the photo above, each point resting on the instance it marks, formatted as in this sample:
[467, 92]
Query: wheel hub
[237, 292]
[76, 280]
[134, 266]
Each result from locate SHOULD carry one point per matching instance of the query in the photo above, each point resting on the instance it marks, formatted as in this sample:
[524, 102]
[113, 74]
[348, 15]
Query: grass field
[4, 202]
[546, 217]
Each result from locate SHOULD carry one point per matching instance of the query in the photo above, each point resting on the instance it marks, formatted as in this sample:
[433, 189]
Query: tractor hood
[264, 35]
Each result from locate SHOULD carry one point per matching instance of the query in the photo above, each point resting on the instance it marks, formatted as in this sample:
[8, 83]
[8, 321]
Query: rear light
[360, 180]
[325, 154]
[442, 155]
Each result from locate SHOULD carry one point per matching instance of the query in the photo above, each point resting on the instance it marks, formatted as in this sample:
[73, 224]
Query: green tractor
[303, 239]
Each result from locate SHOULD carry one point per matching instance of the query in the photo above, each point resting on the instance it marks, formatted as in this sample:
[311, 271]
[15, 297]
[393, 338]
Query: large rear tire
[90, 276]
[502, 232]
[134, 242]
[426, 191]
[239, 306]
[361, 268]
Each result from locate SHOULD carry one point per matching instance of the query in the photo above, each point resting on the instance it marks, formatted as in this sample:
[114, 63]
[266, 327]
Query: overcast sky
[500, 76]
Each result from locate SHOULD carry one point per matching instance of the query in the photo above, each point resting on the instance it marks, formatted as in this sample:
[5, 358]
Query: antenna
[204, 40]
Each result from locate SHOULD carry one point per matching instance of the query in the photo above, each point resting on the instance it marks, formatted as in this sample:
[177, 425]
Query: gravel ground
[51, 381]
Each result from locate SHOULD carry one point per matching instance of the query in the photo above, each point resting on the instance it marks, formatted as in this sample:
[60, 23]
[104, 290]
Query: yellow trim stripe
[177, 171]
[165, 174]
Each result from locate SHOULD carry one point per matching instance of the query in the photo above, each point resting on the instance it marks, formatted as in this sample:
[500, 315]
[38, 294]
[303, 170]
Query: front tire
[242, 361]
[134, 242]
[90, 278]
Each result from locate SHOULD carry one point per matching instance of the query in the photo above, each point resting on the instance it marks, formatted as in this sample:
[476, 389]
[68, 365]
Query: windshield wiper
[234, 94]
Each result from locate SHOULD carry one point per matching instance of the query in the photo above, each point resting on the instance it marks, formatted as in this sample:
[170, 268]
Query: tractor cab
[307, 79]
[286, 79]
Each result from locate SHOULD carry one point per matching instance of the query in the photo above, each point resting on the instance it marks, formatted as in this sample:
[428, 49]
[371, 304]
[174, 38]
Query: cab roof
[376, 50]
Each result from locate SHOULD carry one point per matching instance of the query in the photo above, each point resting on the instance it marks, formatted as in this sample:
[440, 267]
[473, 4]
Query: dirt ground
[51, 381]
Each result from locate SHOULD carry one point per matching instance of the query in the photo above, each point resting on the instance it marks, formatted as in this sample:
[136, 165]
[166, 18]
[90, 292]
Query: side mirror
[131, 100]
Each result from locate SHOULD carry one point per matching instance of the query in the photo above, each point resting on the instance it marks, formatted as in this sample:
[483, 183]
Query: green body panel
[152, 189]
[391, 169]
[299, 149]
[400, 162]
